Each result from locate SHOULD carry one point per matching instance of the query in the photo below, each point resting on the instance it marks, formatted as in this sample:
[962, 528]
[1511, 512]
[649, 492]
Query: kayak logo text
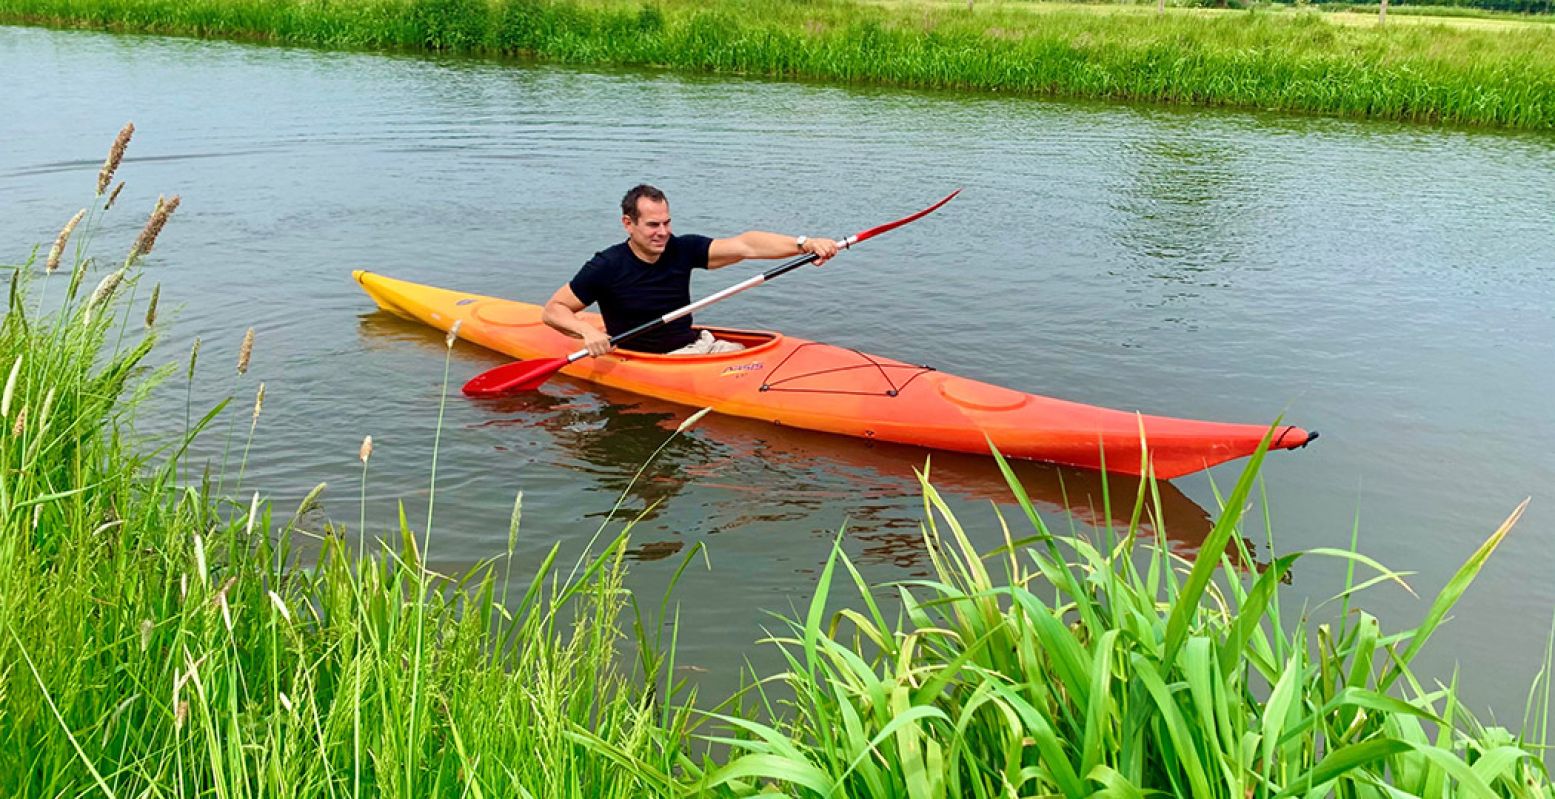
[740, 369]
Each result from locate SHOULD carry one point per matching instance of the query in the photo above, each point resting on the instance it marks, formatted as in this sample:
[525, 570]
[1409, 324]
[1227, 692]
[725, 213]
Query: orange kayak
[799, 383]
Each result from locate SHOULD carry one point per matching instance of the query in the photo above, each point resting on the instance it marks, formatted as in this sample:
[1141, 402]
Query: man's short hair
[641, 190]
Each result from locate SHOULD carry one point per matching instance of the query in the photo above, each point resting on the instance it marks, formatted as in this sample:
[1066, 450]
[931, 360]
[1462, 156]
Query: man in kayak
[649, 275]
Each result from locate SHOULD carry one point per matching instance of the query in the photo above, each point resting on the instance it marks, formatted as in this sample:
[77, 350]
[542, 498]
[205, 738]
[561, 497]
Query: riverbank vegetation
[1291, 60]
[161, 640]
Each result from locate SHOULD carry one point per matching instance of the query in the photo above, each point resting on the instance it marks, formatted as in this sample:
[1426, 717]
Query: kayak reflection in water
[781, 484]
[649, 275]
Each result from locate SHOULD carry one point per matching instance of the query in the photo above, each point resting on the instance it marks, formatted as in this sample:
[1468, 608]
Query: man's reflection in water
[611, 443]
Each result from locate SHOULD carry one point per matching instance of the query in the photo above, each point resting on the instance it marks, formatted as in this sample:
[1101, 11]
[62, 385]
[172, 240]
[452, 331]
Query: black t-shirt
[631, 291]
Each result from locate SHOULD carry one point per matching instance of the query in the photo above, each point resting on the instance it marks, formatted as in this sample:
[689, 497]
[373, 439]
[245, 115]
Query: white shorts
[706, 344]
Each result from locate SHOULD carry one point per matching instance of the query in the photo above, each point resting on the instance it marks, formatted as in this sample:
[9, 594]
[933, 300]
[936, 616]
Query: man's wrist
[799, 242]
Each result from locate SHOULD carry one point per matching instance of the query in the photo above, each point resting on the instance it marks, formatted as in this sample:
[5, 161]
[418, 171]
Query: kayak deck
[792, 381]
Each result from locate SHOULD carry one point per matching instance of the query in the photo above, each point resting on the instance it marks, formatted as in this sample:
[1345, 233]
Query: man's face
[650, 232]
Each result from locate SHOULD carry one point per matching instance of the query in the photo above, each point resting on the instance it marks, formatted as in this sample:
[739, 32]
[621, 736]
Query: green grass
[1284, 61]
[158, 640]
[1061, 666]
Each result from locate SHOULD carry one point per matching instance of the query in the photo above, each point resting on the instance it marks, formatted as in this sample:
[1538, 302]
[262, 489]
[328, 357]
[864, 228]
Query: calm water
[1391, 286]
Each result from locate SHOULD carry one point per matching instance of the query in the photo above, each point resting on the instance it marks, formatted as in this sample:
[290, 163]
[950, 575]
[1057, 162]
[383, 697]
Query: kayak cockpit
[754, 341]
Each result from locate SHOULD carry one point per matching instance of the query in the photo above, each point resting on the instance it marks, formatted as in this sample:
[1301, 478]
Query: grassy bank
[159, 640]
[1285, 61]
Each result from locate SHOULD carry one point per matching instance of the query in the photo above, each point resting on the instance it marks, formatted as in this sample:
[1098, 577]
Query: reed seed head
[199, 560]
[148, 234]
[48, 405]
[246, 351]
[692, 419]
[10, 387]
[100, 295]
[453, 333]
[194, 356]
[115, 155]
[21, 422]
[310, 501]
[146, 627]
[151, 307]
[259, 405]
[105, 288]
[181, 707]
[58, 249]
[514, 519]
[114, 195]
[280, 605]
[37, 515]
[367, 449]
[220, 601]
[253, 505]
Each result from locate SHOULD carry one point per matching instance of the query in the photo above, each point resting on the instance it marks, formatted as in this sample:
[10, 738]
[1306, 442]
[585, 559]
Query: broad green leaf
[1341, 761]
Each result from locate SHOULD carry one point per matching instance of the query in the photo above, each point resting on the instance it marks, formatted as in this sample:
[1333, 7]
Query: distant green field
[1482, 70]
[1344, 13]
[1437, 13]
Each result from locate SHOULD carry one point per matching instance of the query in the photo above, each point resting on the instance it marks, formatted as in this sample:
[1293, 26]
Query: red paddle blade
[878, 229]
[513, 377]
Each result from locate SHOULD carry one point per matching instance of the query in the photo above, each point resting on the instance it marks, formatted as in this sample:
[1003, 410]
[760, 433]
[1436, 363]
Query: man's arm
[561, 312]
[760, 244]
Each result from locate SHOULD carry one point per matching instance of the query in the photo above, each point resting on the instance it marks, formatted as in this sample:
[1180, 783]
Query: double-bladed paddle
[530, 375]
